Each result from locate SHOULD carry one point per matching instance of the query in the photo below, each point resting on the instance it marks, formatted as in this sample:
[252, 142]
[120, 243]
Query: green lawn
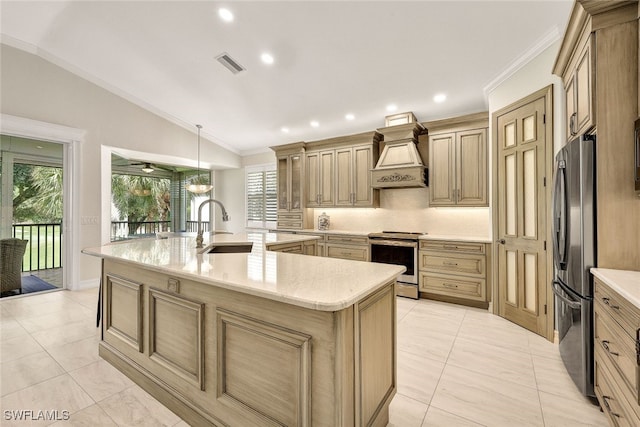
[46, 253]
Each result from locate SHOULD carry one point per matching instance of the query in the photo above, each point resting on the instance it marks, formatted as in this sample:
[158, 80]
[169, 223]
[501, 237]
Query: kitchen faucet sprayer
[225, 217]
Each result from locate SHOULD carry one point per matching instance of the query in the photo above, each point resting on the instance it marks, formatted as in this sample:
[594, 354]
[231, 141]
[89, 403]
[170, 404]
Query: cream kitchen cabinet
[616, 329]
[291, 200]
[353, 176]
[320, 178]
[458, 161]
[454, 271]
[303, 248]
[579, 87]
[347, 246]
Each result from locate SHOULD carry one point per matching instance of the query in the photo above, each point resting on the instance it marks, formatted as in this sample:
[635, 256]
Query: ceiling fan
[148, 167]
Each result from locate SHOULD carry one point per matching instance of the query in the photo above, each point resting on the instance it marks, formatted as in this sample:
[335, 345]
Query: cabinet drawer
[618, 349]
[295, 248]
[472, 265]
[441, 245]
[454, 286]
[348, 239]
[621, 310]
[357, 253]
[611, 400]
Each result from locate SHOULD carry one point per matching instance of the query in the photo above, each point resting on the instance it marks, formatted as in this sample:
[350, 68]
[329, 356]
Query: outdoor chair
[11, 253]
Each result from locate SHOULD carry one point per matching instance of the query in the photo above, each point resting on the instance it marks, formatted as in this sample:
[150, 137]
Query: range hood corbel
[400, 164]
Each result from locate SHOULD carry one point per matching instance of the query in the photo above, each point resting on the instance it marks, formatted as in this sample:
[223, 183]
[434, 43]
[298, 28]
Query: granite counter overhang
[318, 283]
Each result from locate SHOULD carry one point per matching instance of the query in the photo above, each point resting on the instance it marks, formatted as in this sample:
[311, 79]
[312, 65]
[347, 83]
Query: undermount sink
[231, 248]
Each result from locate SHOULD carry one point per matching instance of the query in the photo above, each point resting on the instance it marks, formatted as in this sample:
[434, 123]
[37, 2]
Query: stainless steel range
[401, 248]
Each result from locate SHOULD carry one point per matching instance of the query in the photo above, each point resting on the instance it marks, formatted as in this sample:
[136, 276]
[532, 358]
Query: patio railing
[120, 229]
[44, 250]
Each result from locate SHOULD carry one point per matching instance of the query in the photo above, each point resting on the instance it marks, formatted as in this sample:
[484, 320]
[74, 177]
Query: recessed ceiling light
[314, 123]
[267, 58]
[441, 97]
[225, 15]
[392, 107]
[284, 129]
[349, 116]
[39, 147]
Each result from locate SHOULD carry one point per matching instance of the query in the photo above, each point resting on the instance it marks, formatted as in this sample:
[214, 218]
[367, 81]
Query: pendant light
[197, 186]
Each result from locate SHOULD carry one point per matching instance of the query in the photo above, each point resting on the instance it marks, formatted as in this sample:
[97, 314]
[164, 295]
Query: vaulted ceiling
[331, 58]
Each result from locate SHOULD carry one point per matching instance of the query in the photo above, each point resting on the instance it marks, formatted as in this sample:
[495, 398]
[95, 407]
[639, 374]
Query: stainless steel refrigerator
[574, 253]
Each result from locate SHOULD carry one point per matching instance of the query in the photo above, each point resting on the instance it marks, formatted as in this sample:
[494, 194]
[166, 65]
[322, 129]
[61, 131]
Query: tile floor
[457, 366]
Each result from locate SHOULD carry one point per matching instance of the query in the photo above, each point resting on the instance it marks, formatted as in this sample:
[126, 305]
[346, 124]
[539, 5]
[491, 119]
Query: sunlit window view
[150, 198]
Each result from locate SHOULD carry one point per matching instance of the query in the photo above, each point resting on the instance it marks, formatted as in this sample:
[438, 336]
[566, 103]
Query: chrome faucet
[225, 217]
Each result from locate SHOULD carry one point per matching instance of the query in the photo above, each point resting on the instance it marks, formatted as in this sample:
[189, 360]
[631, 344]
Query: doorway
[32, 188]
[523, 141]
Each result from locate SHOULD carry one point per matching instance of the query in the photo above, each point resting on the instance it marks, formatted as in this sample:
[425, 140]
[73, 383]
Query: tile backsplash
[407, 209]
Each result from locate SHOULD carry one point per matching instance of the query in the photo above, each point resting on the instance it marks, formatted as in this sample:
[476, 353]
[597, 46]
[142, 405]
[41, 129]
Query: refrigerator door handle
[560, 217]
[571, 303]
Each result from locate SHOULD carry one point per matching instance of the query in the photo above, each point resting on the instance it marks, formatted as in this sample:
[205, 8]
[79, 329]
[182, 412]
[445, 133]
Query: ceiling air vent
[230, 63]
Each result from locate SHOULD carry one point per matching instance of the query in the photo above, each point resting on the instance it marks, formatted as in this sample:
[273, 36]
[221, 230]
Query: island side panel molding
[176, 335]
[123, 311]
[264, 368]
[375, 338]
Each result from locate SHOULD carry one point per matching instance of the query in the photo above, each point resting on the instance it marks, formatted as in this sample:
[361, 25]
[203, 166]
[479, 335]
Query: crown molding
[540, 46]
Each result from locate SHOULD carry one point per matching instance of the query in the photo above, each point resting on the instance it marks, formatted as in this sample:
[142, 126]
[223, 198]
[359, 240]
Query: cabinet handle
[572, 123]
[607, 301]
[605, 344]
[450, 264]
[605, 400]
[450, 247]
[450, 285]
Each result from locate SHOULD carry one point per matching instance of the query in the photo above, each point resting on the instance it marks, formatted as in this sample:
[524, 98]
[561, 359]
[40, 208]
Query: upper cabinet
[291, 198]
[579, 91]
[338, 172]
[458, 161]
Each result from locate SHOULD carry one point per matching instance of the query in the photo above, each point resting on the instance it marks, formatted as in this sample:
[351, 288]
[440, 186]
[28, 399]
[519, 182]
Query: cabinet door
[283, 183]
[471, 168]
[362, 165]
[570, 96]
[296, 182]
[313, 191]
[344, 177]
[326, 178]
[584, 112]
[442, 169]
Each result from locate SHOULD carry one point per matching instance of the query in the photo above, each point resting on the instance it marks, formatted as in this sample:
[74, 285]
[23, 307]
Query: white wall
[36, 89]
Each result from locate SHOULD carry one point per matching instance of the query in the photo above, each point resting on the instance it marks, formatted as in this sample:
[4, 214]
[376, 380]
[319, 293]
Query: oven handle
[404, 243]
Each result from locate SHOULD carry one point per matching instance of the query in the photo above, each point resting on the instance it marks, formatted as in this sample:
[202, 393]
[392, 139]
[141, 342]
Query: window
[262, 197]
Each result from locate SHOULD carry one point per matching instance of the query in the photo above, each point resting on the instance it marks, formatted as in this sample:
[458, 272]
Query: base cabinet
[218, 357]
[454, 271]
[616, 341]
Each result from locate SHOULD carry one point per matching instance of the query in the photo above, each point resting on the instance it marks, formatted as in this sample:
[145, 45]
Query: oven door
[399, 252]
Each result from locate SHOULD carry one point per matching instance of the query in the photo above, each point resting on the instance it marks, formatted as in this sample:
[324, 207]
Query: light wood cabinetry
[304, 248]
[616, 340]
[454, 271]
[579, 90]
[215, 356]
[320, 178]
[458, 161]
[348, 246]
[339, 171]
[598, 63]
[291, 199]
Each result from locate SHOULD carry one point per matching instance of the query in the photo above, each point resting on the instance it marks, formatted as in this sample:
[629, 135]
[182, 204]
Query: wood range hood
[400, 164]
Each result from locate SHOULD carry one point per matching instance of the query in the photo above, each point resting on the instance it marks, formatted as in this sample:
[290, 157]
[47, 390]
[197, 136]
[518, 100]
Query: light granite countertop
[319, 283]
[624, 282]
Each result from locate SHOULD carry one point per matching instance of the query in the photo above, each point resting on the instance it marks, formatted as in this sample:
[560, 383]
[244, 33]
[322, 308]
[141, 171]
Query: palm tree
[140, 198]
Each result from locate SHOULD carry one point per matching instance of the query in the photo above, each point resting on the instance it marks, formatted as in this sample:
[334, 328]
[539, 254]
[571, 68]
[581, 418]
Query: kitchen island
[258, 338]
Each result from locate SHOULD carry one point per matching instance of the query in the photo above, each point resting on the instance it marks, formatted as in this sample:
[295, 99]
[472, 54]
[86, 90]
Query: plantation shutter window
[261, 197]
